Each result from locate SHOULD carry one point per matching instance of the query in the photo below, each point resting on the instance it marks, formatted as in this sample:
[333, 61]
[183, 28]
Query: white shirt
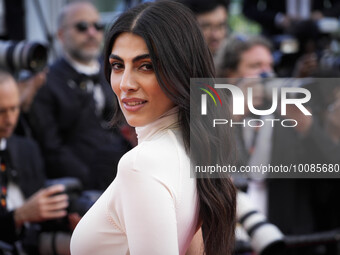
[151, 207]
[98, 93]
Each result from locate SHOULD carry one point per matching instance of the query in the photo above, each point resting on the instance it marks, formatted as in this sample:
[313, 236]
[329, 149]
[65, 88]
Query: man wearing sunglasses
[70, 114]
[81, 33]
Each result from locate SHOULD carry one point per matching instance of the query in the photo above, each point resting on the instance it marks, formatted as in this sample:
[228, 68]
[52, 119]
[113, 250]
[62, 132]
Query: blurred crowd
[59, 147]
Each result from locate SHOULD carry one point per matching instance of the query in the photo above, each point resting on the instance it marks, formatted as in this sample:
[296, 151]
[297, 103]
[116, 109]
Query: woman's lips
[133, 104]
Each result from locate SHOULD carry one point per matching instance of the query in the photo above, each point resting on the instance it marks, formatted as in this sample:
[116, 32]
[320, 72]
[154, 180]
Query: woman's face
[134, 82]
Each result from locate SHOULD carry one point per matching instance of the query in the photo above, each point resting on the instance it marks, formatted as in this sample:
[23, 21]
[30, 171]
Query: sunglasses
[83, 26]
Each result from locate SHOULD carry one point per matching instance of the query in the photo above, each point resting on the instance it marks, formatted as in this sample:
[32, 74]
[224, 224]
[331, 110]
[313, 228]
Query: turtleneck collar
[168, 120]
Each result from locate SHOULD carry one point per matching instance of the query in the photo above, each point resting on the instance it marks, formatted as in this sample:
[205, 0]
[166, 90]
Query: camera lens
[23, 55]
[265, 238]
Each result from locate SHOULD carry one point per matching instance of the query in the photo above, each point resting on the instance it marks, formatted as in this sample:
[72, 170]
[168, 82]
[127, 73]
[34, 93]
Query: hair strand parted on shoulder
[178, 52]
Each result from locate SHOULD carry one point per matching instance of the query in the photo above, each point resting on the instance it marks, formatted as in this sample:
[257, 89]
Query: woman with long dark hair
[153, 206]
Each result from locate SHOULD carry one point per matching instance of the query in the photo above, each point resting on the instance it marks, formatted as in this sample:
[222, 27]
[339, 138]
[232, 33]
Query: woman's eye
[147, 67]
[116, 66]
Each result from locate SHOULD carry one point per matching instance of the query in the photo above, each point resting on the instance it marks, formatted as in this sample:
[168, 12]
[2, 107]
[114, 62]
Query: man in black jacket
[71, 113]
[22, 173]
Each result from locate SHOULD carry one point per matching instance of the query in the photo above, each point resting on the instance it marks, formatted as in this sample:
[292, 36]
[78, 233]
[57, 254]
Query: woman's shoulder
[162, 155]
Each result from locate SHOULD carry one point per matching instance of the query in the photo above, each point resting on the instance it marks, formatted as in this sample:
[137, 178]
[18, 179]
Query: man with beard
[71, 114]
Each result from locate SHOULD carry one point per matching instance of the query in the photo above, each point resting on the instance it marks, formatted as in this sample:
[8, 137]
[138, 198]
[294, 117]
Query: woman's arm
[148, 214]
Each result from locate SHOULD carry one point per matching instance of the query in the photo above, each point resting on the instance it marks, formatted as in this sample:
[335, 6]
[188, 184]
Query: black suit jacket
[27, 170]
[71, 135]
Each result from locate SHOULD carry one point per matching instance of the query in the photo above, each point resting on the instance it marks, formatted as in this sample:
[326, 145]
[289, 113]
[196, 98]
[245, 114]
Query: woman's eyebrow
[113, 56]
[135, 59]
[140, 57]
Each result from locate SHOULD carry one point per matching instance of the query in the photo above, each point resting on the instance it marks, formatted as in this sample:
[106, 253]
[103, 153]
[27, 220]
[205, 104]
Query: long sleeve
[150, 217]
[7, 229]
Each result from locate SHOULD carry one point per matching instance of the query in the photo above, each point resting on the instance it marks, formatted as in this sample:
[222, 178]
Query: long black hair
[178, 52]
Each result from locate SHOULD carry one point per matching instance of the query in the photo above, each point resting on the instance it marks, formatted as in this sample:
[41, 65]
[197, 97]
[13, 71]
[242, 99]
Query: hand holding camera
[46, 204]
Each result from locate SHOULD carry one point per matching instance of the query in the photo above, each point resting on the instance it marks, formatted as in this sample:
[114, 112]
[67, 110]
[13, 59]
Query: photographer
[296, 206]
[246, 59]
[22, 174]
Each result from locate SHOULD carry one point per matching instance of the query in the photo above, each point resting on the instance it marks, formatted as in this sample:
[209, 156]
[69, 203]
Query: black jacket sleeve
[8, 232]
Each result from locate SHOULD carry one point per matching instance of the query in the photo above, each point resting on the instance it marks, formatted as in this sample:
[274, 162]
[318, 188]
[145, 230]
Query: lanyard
[3, 182]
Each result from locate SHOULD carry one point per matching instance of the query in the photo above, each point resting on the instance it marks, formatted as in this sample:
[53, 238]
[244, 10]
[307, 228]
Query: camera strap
[3, 180]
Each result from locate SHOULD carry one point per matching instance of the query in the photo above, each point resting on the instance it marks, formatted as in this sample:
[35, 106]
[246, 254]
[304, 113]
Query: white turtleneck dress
[151, 208]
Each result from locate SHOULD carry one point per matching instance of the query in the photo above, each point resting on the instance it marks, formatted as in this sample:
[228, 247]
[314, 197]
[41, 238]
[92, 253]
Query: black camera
[51, 237]
[79, 201]
[28, 55]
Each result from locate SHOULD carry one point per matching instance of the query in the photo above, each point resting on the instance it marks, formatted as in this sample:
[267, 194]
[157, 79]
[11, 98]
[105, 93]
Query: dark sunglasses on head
[83, 26]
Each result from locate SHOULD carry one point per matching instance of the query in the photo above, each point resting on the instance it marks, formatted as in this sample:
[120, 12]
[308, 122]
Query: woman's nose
[128, 81]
